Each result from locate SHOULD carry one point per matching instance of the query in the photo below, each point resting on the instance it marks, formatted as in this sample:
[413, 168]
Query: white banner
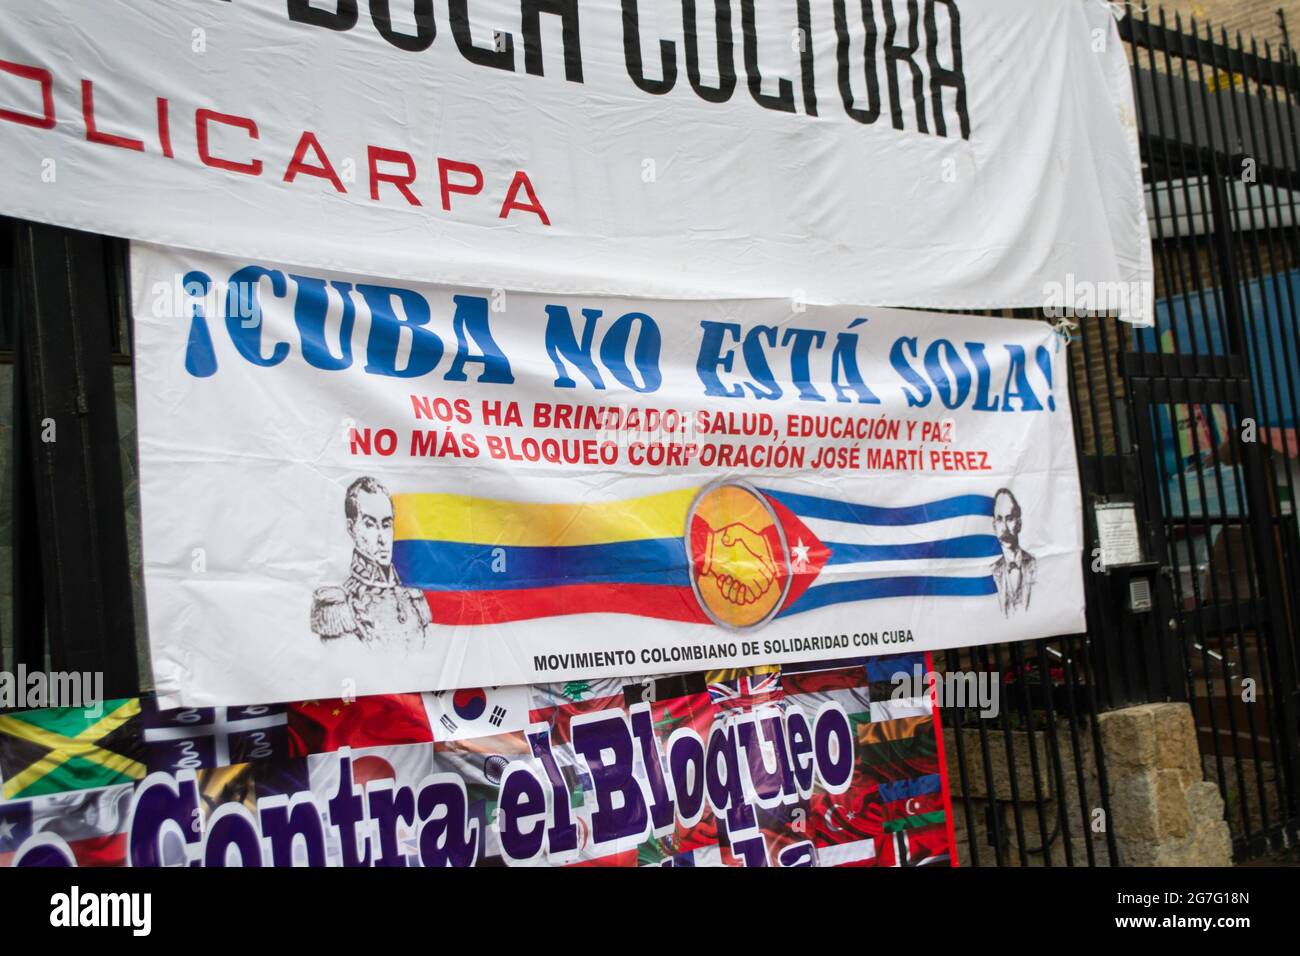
[354, 486]
[958, 154]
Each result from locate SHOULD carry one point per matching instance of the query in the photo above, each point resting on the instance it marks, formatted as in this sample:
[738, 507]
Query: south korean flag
[476, 712]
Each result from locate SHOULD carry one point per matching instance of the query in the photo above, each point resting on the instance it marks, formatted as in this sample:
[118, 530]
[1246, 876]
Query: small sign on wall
[1117, 533]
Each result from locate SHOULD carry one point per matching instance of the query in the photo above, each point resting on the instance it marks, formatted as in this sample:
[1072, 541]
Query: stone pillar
[1162, 812]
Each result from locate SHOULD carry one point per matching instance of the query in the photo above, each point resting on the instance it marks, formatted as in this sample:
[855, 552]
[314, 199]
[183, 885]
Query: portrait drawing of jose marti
[1015, 571]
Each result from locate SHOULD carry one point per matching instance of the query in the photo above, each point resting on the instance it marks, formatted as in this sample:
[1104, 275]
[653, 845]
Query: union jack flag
[746, 691]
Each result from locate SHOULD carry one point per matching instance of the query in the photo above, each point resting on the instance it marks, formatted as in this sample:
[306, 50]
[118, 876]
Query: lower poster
[815, 764]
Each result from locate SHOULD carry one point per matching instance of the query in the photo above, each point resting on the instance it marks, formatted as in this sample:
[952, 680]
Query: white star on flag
[800, 552]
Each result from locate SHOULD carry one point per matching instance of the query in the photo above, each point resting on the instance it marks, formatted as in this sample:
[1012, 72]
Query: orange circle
[740, 572]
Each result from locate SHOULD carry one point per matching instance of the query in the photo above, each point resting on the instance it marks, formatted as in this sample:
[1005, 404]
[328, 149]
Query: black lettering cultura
[914, 44]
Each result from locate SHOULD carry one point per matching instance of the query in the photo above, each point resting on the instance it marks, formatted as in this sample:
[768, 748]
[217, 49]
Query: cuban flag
[940, 548]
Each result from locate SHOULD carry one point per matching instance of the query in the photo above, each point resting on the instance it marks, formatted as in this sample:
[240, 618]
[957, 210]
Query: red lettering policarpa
[236, 143]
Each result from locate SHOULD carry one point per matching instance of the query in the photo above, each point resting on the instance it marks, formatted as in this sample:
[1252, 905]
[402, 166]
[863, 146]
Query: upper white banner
[930, 153]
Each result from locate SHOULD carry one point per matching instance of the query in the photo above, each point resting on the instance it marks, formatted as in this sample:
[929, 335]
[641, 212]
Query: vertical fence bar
[28, 616]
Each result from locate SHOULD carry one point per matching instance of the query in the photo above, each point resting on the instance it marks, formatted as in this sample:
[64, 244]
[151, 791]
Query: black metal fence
[1163, 420]
[1193, 423]
[1213, 396]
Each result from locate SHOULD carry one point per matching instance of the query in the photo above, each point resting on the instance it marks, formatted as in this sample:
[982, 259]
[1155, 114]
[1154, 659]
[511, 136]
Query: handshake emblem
[740, 569]
[741, 563]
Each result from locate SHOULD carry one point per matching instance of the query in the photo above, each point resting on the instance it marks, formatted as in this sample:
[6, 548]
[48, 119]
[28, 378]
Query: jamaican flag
[61, 748]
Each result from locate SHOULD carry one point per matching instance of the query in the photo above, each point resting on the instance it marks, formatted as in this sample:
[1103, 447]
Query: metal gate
[1212, 398]
[1193, 424]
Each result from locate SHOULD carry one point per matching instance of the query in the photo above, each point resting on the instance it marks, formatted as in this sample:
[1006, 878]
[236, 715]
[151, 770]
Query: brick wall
[1251, 17]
